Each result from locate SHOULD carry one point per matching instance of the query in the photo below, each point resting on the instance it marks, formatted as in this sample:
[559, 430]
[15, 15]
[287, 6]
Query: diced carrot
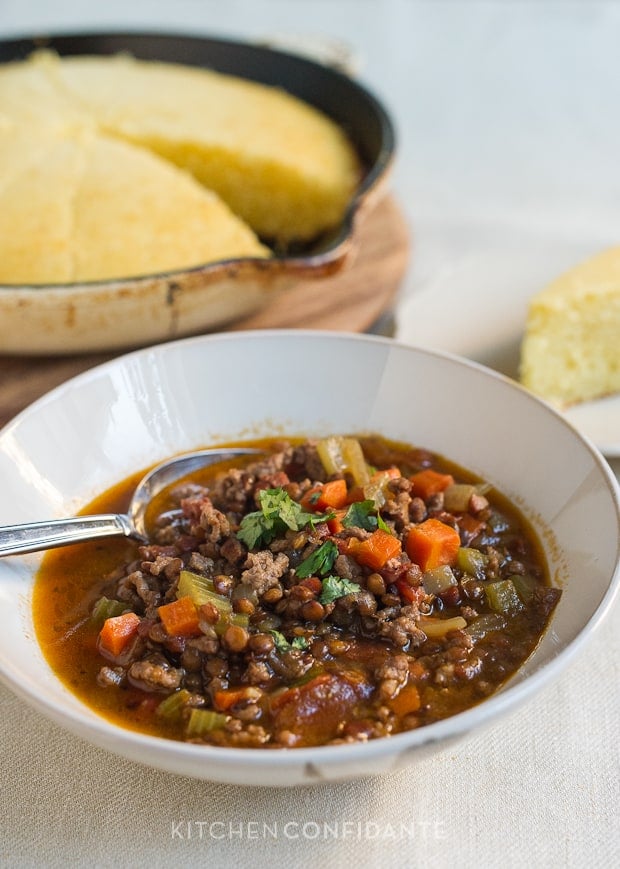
[117, 632]
[225, 698]
[407, 700]
[432, 543]
[335, 524]
[356, 493]
[331, 495]
[377, 549]
[308, 499]
[429, 482]
[180, 617]
[390, 473]
[349, 546]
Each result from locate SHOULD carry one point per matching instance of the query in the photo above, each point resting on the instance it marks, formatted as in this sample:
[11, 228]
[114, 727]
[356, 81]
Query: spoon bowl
[35, 536]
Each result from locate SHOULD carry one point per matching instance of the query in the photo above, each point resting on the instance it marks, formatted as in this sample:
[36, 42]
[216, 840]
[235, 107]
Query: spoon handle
[17, 539]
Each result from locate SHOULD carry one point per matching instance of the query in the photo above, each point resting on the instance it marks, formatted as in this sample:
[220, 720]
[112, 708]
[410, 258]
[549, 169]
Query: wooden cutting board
[351, 301]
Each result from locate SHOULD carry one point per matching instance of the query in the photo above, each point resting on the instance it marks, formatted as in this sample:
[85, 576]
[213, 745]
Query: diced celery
[204, 720]
[375, 490]
[525, 585]
[483, 625]
[438, 579]
[199, 588]
[355, 461]
[340, 455]
[231, 618]
[330, 454]
[502, 597]
[472, 561]
[435, 628]
[240, 619]
[456, 497]
[172, 706]
[270, 622]
[106, 608]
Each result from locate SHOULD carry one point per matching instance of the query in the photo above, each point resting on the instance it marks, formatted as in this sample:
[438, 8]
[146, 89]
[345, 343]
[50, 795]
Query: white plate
[476, 307]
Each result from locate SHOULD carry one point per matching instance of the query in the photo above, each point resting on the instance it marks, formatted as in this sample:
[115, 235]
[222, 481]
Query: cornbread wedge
[571, 347]
[88, 207]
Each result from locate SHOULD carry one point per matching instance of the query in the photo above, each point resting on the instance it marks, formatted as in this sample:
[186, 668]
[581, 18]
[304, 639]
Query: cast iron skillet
[350, 104]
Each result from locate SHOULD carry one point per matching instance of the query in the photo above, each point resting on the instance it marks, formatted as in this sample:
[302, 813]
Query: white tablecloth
[508, 117]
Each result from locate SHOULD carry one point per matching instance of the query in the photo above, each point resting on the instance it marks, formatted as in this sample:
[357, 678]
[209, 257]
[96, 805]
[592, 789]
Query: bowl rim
[485, 713]
[325, 259]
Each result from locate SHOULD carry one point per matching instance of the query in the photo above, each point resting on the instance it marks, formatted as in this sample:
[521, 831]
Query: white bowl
[96, 429]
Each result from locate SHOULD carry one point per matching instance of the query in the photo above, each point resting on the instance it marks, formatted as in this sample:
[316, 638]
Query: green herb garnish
[364, 514]
[283, 645]
[278, 512]
[335, 587]
[320, 561]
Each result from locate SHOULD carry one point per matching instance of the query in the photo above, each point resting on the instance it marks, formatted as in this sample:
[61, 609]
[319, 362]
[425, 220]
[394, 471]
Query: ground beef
[348, 568]
[137, 590]
[233, 550]
[263, 570]
[154, 676]
[214, 523]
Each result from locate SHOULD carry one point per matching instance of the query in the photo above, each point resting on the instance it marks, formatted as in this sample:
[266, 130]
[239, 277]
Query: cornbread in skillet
[571, 347]
[115, 168]
[86, 207]
[29, 97]
[281, 165]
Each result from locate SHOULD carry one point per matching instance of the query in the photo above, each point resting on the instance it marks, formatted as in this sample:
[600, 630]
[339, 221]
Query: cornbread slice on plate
[571, 348]
[281, 165]
[87, 207]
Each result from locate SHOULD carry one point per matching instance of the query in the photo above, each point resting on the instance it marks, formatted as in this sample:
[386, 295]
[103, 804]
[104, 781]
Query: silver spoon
[34, 536]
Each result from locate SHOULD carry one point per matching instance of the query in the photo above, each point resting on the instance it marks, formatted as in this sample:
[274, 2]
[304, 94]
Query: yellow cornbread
[281, 165]
[571, 347]
[88, 207]
[114, 167]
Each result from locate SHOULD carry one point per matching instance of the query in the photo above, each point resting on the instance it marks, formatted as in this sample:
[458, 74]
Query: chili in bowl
[404, 562]
[332, 591]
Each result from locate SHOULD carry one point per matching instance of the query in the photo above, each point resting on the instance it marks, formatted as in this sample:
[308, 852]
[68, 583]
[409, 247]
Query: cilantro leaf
[252, 529]
[362, 514]
[283, 645]
[320, 561]
[280, 641]
[276, 504]
[383, 524]
[278, 512]
[335, 587]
